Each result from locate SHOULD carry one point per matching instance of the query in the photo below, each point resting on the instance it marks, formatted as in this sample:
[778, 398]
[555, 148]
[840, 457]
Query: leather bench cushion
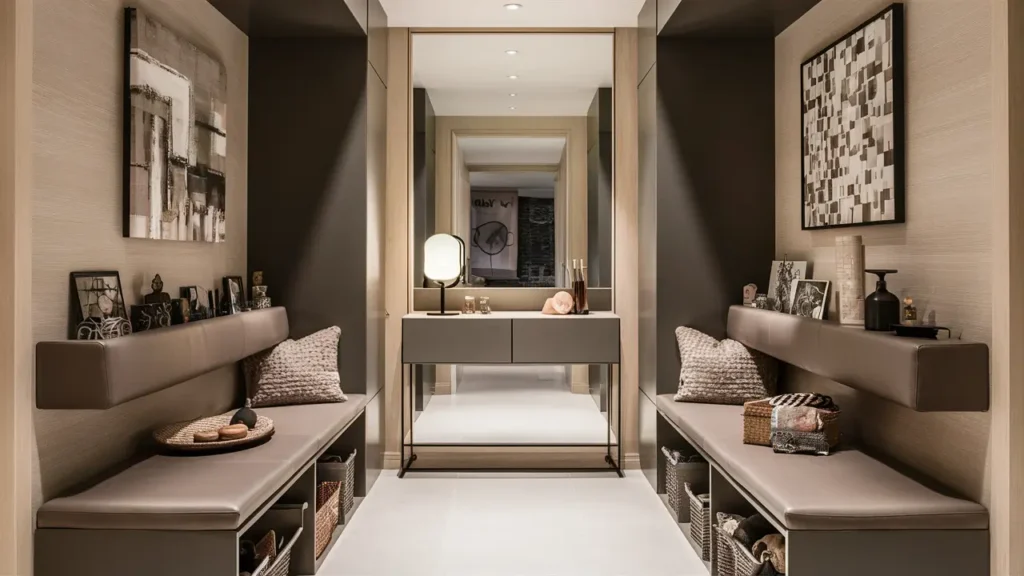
[216, 492]
[848, 490]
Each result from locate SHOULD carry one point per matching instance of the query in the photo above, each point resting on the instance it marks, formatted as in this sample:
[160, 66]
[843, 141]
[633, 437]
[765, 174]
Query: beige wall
[945, 253]
[76, 220]
[16, 287]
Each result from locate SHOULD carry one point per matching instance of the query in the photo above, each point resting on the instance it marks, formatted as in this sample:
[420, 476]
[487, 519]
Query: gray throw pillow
[301, 371]
[725, 372]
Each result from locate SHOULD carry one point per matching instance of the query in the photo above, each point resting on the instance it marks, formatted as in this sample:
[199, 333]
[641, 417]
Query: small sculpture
[158, 296]
[559, 305]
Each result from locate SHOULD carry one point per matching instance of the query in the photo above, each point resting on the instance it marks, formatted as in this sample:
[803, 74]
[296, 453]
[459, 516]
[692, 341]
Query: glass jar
[469, 306]
[485, 305]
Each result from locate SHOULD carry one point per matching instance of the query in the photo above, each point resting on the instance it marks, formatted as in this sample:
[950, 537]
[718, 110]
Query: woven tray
[757, 424]
[179, 437]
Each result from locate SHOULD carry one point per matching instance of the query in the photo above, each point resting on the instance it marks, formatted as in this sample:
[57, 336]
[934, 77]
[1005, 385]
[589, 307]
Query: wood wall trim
[16, 428]
[1007, 433]
[398, 229]
[625, 220]
[513, 30]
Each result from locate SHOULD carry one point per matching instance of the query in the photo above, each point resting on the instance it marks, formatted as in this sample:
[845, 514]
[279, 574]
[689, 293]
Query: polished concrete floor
[506, 524]
[502, 404]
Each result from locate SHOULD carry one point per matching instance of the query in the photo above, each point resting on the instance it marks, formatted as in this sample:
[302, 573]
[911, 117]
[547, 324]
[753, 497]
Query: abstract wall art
[175, 141]
[852, 97]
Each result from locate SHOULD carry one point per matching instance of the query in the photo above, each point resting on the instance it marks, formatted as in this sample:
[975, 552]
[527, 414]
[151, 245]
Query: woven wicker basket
[746, 564]
[281, 565]
[725, 558]
[334, 469]
[676, 476]
[327, 495]
[700, 521]
[757, 424]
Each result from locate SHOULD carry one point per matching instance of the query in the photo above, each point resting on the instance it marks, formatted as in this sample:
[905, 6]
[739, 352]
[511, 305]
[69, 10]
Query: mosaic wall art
[852, 95]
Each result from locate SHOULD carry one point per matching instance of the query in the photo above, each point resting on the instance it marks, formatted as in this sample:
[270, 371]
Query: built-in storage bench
[847, 514]
[178, 515]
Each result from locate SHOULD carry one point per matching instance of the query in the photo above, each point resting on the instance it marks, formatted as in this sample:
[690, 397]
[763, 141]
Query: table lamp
[444, 260]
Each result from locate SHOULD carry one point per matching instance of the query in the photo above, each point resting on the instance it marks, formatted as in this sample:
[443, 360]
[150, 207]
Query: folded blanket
[752, 529]
[729, 522]
[804, 399]
[772, 550]
[790, 442]
[797, 419]
[676, 457]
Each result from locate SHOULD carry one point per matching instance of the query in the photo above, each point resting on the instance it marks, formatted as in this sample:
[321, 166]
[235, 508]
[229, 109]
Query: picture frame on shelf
[780, 284]
[98, 311]
[810, 298]
[234, 294]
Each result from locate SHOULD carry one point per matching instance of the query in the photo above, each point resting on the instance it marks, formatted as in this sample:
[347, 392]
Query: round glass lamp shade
[442, 258]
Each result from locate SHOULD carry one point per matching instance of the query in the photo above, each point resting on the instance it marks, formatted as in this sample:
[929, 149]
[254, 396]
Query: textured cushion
[725, 372]
[296, 372]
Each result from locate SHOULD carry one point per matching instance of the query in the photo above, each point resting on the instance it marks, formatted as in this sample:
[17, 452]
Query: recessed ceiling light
[513, 6]
[511, 52]
[511, 107]
[513, 94]
[513, 77]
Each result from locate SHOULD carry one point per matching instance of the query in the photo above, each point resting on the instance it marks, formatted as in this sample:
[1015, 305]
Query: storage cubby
[287, 522]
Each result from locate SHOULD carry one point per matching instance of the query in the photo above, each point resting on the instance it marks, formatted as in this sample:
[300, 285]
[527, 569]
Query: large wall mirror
[513, 154]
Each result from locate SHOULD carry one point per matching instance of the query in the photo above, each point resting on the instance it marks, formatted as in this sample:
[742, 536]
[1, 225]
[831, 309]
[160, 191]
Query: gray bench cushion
[217, 492]
[848, 490]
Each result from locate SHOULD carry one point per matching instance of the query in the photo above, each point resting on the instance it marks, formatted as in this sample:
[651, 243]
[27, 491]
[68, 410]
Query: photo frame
[810, 298]
[234, 293]
[95, 295]
[853, 127]
[191, 295]
[780, 283]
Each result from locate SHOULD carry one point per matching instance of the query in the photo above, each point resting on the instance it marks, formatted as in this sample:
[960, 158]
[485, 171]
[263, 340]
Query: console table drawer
[566, 340]
[456, 340]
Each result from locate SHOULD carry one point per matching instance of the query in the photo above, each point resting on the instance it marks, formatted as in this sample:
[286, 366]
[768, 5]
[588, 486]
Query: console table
[513, 338]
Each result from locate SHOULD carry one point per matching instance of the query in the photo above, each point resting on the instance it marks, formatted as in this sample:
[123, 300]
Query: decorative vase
[882, 308]
[850, 279]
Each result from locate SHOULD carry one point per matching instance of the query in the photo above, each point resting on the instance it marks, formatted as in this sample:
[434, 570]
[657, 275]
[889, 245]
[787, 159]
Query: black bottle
[882, 308]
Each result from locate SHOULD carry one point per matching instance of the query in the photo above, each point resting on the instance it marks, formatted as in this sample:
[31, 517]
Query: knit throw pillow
[725, 372]
[301, 371]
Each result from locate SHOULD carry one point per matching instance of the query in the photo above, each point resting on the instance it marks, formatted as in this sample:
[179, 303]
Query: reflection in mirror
[512, 153]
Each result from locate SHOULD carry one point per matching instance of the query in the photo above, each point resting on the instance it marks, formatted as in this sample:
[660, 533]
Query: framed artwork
[854, 128]
[97, 306]
[234, 289]
[175, 136]
[810, 298]
[780, 283]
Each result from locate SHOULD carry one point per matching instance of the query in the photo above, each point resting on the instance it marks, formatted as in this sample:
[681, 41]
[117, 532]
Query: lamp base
[442, 313]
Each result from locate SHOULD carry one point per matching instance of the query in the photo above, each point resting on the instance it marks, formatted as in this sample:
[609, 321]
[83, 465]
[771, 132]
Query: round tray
[179, 437]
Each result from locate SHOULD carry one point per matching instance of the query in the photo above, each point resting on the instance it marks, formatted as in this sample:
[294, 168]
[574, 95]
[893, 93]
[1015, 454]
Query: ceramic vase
[850, 279]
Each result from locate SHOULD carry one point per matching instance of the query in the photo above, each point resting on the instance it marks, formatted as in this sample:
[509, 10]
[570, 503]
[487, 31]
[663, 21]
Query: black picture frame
[899, 120]
[191, 295]
[234, 296]
[96, 297]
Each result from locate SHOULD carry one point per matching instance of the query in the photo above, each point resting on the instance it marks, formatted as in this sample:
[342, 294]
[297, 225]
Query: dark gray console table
[516, 338]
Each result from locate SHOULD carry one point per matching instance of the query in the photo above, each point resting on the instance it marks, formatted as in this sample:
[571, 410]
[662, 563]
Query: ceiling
[468, 74]
[492, 14]
[533, 184]
[511, 151]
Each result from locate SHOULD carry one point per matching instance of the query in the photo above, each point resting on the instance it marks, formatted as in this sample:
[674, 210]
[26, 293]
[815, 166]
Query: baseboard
[631, 461]
[497, 458]
[392, 461]
[442, 388]
[580, 388]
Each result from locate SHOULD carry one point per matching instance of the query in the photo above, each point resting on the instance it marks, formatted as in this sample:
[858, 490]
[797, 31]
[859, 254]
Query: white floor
[495, 405]
[512, 525]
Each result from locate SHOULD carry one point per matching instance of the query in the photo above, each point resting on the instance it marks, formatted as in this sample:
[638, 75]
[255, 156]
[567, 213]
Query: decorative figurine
[761, 302]
[749, 293]
[158, 296]
[260, 300]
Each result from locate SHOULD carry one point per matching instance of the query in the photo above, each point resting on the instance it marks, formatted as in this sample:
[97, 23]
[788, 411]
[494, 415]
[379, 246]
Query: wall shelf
[101, 374]
[924, 375]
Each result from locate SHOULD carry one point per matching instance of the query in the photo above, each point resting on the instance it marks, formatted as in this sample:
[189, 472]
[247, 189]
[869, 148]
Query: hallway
[512, 524]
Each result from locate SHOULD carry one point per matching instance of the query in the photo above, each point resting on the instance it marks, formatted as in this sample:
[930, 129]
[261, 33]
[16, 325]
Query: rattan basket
[334, 469]
[327, 498]
[281, 564]
[676, 475]
[757, 424]
[745, 563]
[725, 558]
[700, 521]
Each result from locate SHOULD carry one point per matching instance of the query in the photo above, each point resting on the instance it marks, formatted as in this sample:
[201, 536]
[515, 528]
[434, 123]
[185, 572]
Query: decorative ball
[245, 416]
